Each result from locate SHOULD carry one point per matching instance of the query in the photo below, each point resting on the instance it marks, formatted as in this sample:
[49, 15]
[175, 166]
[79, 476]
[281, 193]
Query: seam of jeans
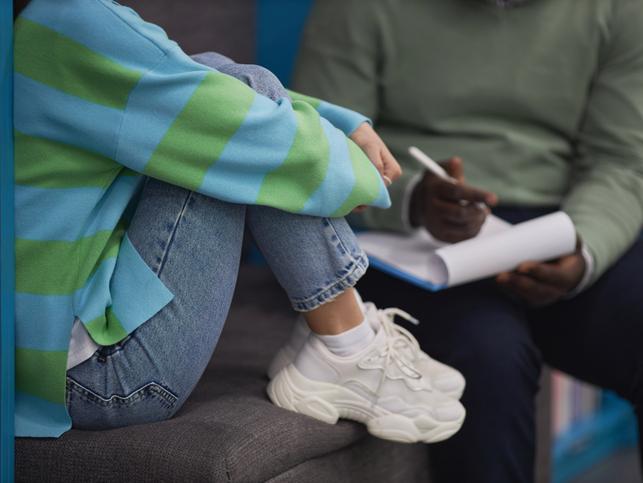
[349, 269]
[177, 221]
[108, 351]
[152, 387]
[355, 271]
[339, 238]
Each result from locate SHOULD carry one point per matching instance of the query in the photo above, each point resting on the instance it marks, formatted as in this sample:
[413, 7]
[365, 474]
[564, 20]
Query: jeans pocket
[149, 403]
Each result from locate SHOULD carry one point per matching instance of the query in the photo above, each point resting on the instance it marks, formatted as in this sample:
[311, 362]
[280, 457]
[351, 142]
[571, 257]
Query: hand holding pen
[444, 204]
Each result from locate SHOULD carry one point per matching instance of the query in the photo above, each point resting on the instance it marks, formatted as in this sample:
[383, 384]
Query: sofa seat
[228, 430]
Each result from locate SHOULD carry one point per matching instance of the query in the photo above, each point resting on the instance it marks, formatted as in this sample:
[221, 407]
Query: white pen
[437, 170]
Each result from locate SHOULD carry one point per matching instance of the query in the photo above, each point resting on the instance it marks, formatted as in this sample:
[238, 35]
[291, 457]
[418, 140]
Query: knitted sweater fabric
[104, 99]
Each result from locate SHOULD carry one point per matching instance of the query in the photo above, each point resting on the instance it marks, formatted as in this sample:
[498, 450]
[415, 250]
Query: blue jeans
[193, 243]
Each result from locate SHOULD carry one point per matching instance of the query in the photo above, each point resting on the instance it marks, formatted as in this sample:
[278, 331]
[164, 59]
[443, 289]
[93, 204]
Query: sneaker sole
[284, 357]
[327, 402]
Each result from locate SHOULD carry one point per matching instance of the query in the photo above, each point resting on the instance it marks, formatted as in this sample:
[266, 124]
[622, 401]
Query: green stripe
[290, 185]
[200, 132]
[41, 374]
[43, 163]
[62, 267]
[367, 183]
[106, 329]
[296, 96]
[62, 63]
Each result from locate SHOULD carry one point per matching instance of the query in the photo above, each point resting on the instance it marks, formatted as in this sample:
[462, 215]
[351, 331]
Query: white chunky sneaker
[444, 378]
[378, 386]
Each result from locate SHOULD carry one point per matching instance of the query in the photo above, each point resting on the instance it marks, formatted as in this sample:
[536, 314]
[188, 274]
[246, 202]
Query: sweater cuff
[343, 119]
[396, 218]
[405, 201]
[587, 276]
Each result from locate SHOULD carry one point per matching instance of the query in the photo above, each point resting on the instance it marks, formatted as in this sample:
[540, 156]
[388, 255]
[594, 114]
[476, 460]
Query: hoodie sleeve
[116, 85]
[342, 118]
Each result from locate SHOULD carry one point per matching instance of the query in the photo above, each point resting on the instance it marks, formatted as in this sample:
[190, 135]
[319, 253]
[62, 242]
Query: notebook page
[410, 254]
[540, 239]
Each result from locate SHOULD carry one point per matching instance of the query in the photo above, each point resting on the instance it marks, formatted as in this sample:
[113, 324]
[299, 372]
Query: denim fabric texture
[257, 77]
[193, 244]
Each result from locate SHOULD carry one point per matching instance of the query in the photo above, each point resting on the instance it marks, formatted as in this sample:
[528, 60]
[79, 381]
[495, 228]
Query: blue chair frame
[7, 261]
[280, 24]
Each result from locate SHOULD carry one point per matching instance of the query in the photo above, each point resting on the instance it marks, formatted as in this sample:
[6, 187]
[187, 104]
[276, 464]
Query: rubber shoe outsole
[289, 389]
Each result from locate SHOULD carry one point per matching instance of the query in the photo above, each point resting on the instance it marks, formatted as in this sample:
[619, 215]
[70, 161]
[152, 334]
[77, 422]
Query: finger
[392, 168]
[465, 218]
[531, 290]
[548, 273]
[359, 209]
[455, 168]
[503, 277]
[458, 192]
[459, 214]
[373, 153]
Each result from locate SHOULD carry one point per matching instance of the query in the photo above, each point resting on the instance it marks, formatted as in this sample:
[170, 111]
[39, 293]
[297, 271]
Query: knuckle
[456, 191]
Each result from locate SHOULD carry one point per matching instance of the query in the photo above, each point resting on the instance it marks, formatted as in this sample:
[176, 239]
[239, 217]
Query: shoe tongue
[372, 316]
[378, 341]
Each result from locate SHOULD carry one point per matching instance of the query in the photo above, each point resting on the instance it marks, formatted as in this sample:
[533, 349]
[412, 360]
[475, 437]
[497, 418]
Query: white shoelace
[387, 321]
[397, 338]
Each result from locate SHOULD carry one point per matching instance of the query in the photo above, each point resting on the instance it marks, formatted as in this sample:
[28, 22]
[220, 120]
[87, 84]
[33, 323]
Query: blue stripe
[133, 276]
[109, 210]
[49, 113]
[115, 35]
[53, 214]
[38, 418]
[154, 104]
[259, 146]
[35, 314]
[43, 322]
[340, 179]
[68, 214]
[340, 117]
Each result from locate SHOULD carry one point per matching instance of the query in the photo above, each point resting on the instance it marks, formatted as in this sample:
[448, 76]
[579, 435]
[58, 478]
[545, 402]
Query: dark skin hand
[541, 284]
[448, 210]
[436, 205]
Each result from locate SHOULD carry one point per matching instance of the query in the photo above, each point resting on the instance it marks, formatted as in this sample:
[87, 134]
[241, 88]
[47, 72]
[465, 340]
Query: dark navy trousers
[499, 344]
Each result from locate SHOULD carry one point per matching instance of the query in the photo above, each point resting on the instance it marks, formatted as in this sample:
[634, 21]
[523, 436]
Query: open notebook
[423, 261]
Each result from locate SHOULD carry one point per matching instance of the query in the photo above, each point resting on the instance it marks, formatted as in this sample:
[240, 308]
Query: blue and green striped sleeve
[215, 135]
[344, 119]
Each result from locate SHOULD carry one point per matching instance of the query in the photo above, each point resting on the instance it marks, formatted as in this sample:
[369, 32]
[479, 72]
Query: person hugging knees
[137, 170]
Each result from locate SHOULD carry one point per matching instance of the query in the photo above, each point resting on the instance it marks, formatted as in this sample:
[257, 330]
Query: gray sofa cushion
[228, 430]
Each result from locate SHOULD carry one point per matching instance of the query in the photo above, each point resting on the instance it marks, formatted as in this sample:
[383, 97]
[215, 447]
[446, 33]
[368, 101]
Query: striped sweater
[103, 99]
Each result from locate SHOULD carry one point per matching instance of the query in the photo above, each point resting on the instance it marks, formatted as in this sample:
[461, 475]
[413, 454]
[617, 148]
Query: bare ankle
[337, 316]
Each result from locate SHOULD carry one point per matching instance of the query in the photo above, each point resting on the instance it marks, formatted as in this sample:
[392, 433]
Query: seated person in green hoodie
[541, 103]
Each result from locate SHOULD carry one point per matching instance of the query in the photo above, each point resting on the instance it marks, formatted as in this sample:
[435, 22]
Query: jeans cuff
[347, 278]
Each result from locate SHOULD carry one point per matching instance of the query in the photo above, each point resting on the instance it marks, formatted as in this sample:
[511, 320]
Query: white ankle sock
[350, 342]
